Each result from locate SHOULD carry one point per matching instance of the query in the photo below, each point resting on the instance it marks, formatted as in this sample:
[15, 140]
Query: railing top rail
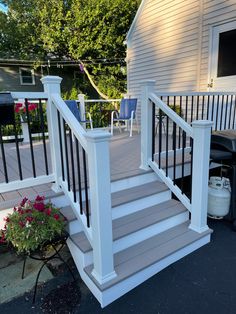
[70, 119]
[165, 94]
[100, 100]
[170, 113]
[29, 95]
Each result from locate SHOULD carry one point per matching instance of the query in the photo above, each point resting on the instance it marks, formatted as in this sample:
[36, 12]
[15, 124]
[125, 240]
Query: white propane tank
[219, 193]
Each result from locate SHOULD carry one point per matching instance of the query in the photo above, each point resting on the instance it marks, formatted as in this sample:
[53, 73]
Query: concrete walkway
[203, 282]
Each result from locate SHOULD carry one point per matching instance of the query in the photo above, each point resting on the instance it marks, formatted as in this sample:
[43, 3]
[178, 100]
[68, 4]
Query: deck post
[146, 123]
[100, 199]
[52, 86]
[200, 174]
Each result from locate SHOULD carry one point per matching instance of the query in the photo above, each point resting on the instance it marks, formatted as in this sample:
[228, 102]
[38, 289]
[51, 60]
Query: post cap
[50, 79]
[202, 124]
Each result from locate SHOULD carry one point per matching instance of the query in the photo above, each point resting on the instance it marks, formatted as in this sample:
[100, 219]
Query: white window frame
[32, 76]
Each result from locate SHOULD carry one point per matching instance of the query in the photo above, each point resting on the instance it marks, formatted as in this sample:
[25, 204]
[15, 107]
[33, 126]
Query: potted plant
[33, 224]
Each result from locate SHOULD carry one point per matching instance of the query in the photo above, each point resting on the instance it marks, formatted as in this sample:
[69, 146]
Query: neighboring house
[183, 45]
[18, 75]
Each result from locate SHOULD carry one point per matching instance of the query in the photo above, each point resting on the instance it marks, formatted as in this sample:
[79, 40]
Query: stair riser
[81, 259]
[74, 227]
[132, 207]
[149, 232]
[130, 283]
[133, 181]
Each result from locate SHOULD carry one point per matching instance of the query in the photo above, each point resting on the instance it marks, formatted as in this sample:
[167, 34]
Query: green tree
[89, 31]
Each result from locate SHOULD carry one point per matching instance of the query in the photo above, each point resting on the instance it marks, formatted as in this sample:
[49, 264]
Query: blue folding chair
[127, 113]
[72, 105]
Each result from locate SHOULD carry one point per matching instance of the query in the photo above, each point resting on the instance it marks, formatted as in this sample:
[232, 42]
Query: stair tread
[148, 252]
[68, 213]
[81, 241]
[137, 192]
[146, 217]
[135, 222]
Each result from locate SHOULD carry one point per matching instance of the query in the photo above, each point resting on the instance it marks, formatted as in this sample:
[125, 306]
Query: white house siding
[170, 43]
[164, 46]
[215, 12]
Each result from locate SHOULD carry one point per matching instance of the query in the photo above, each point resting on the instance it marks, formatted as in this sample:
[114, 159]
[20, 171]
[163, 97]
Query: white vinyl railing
[199, 133]
[95, 145]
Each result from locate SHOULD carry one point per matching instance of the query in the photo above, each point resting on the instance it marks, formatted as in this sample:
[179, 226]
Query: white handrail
[101, 100]
[68, 116]
[29, 95]
[173, 116]
[184, 93]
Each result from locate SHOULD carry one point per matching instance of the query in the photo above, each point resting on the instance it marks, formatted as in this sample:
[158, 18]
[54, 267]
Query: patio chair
[127, 113]
[72, 105]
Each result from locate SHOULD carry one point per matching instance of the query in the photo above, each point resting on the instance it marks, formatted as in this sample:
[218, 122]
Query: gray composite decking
[125, 156]
[148, 252]
[133, 222]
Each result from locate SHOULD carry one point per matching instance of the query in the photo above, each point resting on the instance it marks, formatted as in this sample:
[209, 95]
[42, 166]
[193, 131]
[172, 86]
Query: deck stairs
[150, 232]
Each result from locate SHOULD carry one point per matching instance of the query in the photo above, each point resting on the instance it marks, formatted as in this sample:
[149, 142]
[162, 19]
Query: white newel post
[82, 106]
[200, 174]
[100, 198]
[52, 86]
[146, 123]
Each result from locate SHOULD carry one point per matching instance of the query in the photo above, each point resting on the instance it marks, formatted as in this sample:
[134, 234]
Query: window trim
[32, 76]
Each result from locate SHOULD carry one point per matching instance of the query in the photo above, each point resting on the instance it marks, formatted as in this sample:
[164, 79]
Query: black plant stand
[57, 244]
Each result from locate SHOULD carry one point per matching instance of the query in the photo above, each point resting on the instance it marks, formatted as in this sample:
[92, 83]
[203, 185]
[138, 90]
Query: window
[227, 53]
[27, 76]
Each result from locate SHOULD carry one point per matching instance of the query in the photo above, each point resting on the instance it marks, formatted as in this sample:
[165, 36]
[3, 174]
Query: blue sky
[3, 8]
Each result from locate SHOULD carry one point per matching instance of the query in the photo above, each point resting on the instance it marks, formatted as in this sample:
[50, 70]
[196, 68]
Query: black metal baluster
[208, 106]
[30, 138]
[160, 137]
[192, 102]
[230, 110]
[79, 175]
[61, 147]
[183, 159]
[203, 106]
[174, 149]
[3, 157]
[217, 111]
[191, 167]
[43, 135]
[18, 151]
[221, 113]
[186, 109]
[86, 188]
[226, 110]
[197, 105]
[180, 114]
[212, 108]
[167, 143]
[66, 153]
[72, 164]
[153, 130]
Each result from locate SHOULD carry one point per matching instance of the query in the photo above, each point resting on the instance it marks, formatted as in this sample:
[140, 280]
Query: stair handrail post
[52, 85]
[81, 99]
[100, 200]
[147, 87]
[200, 174]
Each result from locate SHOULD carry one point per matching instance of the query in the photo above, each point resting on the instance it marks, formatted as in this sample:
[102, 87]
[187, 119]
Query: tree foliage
[89, 30]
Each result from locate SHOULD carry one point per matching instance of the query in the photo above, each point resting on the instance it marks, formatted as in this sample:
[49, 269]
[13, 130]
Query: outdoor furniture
[127, 113]
[72, 105]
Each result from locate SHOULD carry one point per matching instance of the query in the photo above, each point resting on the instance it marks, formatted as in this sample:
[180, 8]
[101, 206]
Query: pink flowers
[21, 107]
[33, 223]
[56, 216]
